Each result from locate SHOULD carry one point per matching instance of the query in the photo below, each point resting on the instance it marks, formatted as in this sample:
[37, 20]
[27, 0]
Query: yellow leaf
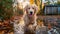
[31, 1]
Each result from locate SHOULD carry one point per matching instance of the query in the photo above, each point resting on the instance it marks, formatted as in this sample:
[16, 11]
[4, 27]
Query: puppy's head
[31, 9]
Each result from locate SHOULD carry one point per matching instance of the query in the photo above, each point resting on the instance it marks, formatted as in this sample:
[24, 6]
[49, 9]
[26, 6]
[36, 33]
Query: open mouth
[31, 13]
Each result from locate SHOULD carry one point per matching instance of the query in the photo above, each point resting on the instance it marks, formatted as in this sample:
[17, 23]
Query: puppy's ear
[36, 8]
[25, 8]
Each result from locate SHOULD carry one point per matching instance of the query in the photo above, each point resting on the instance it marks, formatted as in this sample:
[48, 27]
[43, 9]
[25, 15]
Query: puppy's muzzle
[31, 13]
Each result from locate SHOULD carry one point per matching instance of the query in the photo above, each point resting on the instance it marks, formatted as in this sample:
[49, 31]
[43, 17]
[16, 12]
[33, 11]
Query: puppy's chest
[31, 20]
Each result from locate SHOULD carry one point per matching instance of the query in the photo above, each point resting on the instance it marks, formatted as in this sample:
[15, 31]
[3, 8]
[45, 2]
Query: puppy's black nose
[31, 13]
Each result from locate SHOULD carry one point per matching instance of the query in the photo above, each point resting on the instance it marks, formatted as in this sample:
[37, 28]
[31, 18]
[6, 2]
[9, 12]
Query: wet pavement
[46, 19]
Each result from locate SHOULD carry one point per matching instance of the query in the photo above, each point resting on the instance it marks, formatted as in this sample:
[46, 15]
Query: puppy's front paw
[31, 27]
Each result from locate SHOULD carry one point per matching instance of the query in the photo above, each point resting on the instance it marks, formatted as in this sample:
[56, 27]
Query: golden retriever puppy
[30, 18]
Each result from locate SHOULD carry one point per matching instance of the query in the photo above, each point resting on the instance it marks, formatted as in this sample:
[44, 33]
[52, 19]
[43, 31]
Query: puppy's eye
[32, 8]
[28, 8]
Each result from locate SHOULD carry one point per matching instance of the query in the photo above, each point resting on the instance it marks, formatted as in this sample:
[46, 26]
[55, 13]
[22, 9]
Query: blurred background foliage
[6, 8]
[58, 2]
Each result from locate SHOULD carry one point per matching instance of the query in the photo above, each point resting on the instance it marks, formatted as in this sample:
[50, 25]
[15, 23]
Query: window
[59, 10]
[51, 10]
